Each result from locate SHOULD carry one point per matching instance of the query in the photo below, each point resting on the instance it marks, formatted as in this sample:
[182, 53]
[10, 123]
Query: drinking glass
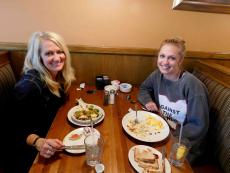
[179, 152]
[93, 149]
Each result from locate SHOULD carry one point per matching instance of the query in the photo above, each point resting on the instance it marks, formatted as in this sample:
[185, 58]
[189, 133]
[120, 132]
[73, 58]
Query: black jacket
[35, 105]
[33, 109]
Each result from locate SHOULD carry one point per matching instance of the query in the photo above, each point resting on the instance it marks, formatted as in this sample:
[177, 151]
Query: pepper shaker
[106, 97]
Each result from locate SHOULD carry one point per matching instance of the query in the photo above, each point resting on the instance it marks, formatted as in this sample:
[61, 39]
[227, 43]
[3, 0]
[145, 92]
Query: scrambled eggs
[151, 121]
[145, 128]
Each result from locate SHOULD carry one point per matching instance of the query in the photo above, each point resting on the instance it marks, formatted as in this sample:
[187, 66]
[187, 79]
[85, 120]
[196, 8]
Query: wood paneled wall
[125, 64]
[4, 58]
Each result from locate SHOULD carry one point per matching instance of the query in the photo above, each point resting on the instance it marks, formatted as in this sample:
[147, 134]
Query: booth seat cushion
[7, 80]
[219, 130]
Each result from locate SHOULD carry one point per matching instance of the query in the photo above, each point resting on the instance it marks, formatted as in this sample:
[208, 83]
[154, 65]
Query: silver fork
[163, 152]
[136, 119]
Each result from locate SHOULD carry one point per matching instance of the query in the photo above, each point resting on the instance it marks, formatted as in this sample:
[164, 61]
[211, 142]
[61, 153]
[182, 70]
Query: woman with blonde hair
[33, 60]
[42, 89]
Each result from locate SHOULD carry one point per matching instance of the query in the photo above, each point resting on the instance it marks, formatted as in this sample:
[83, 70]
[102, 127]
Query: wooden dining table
[117, 142]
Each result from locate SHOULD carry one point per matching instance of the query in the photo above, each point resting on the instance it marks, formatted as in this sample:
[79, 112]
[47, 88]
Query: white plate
[71, 118]
[80, 141]
[154, 136]
[134, 163]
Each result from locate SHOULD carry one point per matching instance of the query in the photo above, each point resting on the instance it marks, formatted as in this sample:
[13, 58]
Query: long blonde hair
[33, 60]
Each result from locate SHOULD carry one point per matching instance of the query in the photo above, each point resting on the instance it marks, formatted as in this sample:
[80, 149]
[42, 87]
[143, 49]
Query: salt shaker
[112, 96]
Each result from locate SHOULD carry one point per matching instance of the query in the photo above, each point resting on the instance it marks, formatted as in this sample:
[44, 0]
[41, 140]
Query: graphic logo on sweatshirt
[175, 112]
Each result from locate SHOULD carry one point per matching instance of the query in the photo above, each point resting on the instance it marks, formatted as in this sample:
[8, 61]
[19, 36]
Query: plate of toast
[146, 159]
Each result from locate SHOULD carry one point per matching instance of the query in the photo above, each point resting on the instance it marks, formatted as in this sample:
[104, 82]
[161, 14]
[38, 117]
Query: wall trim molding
[120, 50]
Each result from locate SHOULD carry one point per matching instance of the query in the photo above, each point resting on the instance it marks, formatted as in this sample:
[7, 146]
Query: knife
[74, 147]
[163, 152]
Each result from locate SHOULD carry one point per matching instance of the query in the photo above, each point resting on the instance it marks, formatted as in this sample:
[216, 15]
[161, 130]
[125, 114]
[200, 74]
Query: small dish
[82, 133]
[125, 87]
[116, 84]
[110, 87]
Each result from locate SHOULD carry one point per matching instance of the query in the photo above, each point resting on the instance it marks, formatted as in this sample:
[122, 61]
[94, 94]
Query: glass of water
[93, 149]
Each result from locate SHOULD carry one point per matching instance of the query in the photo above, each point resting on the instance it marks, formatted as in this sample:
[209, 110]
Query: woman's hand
[48, 147]
[151, 106]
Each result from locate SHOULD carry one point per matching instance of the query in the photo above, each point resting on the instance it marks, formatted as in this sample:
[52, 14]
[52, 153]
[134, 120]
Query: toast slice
[149, 161]
[144, 156]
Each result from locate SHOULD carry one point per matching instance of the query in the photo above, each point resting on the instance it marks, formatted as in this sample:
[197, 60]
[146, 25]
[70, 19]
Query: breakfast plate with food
[150, 127]
[76, 138]
[147, 159]
[82, 115]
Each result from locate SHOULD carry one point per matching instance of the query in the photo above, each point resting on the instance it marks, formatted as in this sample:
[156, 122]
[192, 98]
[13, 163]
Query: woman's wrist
[39, 143]
[35, 141]
[31, 139]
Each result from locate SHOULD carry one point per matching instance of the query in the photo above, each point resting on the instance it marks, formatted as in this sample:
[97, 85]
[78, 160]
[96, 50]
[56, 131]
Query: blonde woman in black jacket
[43, 88]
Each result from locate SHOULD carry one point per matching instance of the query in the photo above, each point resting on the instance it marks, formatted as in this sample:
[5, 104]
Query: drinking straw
[181, 129]
[92, 133]
[91, 124]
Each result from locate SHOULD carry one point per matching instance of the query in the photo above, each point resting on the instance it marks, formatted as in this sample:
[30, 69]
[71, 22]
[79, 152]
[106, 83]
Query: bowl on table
[125, 87]
[110, 87]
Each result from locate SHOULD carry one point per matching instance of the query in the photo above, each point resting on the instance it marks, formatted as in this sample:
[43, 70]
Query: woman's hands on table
[48, 147]
[151, 106]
